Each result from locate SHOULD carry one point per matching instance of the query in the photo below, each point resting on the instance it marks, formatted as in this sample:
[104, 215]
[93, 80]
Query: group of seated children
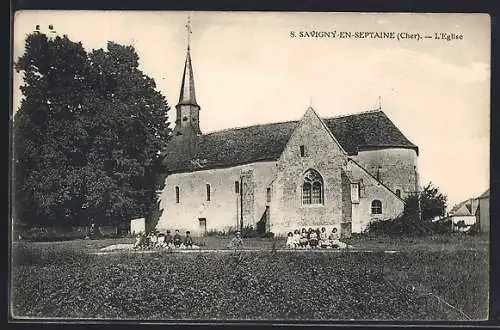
[314, 239]
[156, 240]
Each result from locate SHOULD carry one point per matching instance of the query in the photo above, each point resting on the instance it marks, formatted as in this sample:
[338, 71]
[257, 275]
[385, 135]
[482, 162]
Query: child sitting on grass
[290, 242]
[188, 241]
[296, 238]
[323, 238]
[335, 240]
[313, 239]
[177, 239]
[161, 240]
[168, 239]
[154, 240]
[236, 242]
[139, 241]
[303, 239]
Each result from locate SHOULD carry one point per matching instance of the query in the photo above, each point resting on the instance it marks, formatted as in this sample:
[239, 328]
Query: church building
[342, 172]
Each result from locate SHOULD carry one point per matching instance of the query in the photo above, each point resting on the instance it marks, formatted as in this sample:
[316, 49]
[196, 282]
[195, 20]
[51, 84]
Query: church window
[302, 151]
[177, 194]
[208, 192]
[268, 194]
[312, 188]
[398, 193]
[306, 193]
[376, 207]
[237, 187]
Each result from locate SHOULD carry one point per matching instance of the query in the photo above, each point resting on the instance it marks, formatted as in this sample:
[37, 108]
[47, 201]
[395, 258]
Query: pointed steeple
[188, 94]
[187, 121]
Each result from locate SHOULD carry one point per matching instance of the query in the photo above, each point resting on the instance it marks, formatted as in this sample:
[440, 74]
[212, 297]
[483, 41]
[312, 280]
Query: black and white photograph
[250, 166]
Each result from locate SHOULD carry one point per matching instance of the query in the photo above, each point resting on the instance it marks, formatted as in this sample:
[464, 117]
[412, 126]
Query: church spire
[188, 95]
[187, 109]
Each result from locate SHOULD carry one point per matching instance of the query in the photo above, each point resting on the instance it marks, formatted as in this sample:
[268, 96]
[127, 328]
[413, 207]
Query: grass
[453, 242]
[62, 280]
[450, 243]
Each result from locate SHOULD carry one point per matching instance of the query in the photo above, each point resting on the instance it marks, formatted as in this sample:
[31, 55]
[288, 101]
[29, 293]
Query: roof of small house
[461, 209]
[485, 194]
[238, 146]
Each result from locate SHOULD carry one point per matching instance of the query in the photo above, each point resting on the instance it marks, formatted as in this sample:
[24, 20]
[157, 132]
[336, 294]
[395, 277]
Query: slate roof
[231, 147]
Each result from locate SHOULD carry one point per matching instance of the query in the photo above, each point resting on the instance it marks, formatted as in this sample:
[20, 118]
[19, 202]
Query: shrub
[213, 232]
[249, 232]
[267, 235]
[408, 226]
[43, 234]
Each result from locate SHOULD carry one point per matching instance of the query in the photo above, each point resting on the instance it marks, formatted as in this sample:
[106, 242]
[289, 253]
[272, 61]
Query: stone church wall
[371, 190]
[223, 210]
[322, 154]
[398, 167]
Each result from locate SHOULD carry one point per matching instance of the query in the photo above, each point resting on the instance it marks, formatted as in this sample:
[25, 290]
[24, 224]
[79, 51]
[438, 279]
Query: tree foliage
[430, 202]
[420, 209]
[88, 135]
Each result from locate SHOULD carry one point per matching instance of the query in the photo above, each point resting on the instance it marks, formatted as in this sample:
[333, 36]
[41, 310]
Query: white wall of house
[484, 214]
[469, 220]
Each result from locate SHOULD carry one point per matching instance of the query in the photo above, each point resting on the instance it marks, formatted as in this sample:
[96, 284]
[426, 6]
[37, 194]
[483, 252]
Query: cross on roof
[188, 29]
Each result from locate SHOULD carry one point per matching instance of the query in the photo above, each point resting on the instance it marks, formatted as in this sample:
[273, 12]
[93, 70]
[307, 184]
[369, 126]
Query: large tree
[88, 135]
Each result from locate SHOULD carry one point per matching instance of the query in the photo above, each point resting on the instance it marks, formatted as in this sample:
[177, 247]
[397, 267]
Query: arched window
[376, 207]
[312, 188]
[398, 193]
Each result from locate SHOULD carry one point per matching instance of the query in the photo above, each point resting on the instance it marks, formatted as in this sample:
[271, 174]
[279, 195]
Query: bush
[408, 226]
[249, 232]
[267, 235]
[43, 234]
[49, 234]
[213, 232]
[246, 232]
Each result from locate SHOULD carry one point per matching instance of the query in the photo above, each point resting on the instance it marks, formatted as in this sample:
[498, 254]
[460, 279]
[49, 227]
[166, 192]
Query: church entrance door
[203, 226]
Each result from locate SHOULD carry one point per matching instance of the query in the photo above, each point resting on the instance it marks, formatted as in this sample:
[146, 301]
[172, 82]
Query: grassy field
[430, 243]
[440, 278]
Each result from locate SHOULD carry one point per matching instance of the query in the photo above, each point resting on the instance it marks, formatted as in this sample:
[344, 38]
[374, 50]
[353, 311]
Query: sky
[249, 70]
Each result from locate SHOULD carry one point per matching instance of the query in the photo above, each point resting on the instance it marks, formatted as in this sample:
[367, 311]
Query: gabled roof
[238, 146]
[485, 194]
[461, 209]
